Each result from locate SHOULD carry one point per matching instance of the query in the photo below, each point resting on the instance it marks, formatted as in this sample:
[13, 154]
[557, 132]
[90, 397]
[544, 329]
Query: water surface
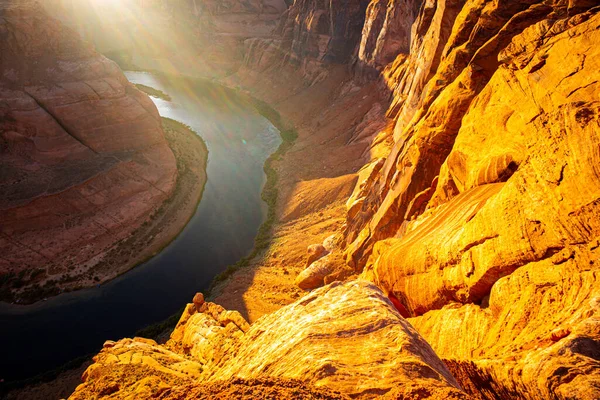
[47, 334]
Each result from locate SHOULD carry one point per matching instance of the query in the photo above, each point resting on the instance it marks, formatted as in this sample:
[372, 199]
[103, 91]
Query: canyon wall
[480, 224]
[84, 159]
[311, 35]
[189, 36]
[470, 243]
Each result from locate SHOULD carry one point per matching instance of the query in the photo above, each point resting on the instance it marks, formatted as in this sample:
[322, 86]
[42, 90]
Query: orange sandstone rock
[343, 337]
[483, 218]
[198, 300]
[315, 252]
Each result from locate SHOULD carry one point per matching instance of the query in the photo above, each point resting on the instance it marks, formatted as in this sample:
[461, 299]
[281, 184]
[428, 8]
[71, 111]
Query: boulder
[315, 252]
[198, 300]
[313, 276]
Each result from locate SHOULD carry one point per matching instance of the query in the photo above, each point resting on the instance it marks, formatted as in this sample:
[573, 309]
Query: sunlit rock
[342, 337]
[315, 252]
[314, 276]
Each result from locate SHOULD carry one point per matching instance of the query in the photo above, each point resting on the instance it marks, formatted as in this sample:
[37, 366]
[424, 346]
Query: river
[47, 334]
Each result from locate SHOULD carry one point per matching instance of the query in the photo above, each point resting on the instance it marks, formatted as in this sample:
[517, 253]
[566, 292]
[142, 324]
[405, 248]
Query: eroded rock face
[84, 159]
[311, 34]
[136, 367]
[482, 222]
[343, 337]
[539, 337]
[340, 331]
[386, 32]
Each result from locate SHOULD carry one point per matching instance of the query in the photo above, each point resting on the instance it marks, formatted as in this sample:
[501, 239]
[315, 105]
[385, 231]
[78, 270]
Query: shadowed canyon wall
[84, 159]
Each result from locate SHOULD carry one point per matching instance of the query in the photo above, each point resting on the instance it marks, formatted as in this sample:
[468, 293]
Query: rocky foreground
[84, 159]
[463, 264]
[346, 337]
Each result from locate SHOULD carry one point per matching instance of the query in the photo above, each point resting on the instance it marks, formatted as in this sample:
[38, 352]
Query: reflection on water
[47, 334]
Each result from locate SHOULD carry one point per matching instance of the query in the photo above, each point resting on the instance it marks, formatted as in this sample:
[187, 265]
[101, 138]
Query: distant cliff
[84, 159]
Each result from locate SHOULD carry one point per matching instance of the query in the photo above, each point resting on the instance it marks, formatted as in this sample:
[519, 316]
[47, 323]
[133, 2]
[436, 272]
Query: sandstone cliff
[189, 36]
[481, 222]
[84, 159]
[344, 337]
[472, 130]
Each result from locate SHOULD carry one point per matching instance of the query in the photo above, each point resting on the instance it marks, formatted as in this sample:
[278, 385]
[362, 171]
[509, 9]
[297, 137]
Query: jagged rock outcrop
[537, 339]
[386, 33]
[482, 221]
[84, 159]
[343, 337]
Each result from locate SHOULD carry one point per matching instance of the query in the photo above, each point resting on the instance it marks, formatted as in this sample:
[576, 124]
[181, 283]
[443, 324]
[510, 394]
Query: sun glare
[113, 5]
[107, 2]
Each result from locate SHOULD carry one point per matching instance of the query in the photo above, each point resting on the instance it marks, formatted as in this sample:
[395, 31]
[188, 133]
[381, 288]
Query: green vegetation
[269, 194]
[270, 191]
[155, 331]
[154, 92]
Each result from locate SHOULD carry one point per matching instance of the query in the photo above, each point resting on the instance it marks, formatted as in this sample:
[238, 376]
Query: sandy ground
[316, 177]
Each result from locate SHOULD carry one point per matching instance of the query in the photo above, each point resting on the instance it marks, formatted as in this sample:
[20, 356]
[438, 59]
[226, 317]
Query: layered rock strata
[84, 159]
[478, 222]
[486, 204]
[345, 337]
[176, 36]
[311, 35]
[481, 222]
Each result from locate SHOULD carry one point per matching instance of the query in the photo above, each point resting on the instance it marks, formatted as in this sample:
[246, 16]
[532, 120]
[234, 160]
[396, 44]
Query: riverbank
[191, 154]
[161, 228]
[155, 233]
[315, 179]
[150, 91]
[270, 194]
[307, 185]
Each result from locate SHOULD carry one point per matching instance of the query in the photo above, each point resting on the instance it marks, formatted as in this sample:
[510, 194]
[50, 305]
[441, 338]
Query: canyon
[87, 174]
[436, 228]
